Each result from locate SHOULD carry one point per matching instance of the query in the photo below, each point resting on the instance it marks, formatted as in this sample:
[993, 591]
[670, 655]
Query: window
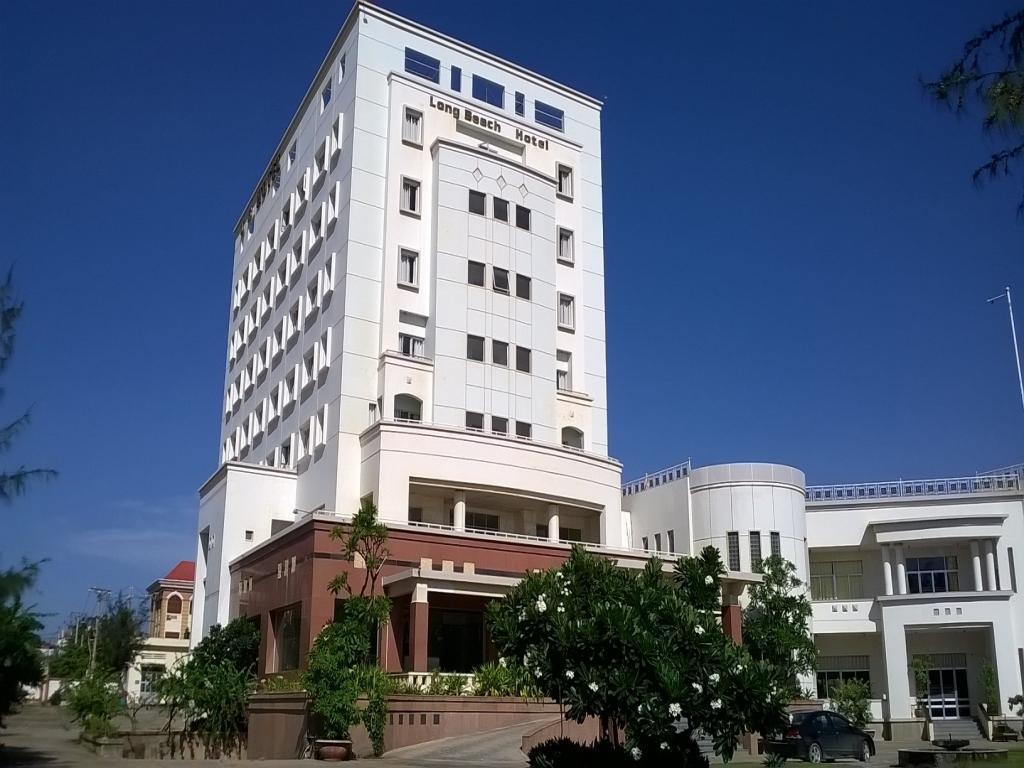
[325, 96]
[410, 196]
[475, 348]
[523, 218]
[499, 425]
[524, 430]
[671, 542]
[174, 604]
[566, 252]
[500, 208]
[563, 370]
[644, 541]
[408, 268]
[520, 104]
[832, 670]
[488, 91]
[657, 542]
[499, 279]
[474, 421]
[415, 514]
[287, 626]
[776, 543]
[482, 521]
[291, 154]
[550, 116]
[755, 551]
[408, 408]
[839, 580]
[341, 68]
[523, 359]
[456, 79]
[412, 127]
[932, 574]
[564, 174]
[477, 202]
[499, 353]
[566, 312]
[421, 65]
[248, 535]
[410, 346]
[733, 544]
[284, 454]
[523, 287]
[573, 438]
[476, 273]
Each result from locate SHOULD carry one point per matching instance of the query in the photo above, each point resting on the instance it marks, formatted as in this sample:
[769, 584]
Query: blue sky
[797, 262]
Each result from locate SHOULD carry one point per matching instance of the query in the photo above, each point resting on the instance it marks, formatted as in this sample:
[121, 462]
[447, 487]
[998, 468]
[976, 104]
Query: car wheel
[814, 753]
[865, 751]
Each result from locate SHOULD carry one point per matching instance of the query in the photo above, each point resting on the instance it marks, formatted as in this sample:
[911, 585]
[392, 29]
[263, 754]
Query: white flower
[502, 661]
[698, 688]
[714, 678]
[699, 629]
[561, 608]
[559, 575]
[522, 615]
[593, 687]
[675, 710]
[541, 605]
[526, 659]
[664, 745]
[716, 704]
[739, 667]
[569, 674]
[635, 752]
[537, 673]
[708, 580]
[640, 708]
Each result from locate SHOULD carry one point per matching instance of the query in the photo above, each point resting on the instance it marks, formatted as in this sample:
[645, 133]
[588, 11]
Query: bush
[851, 699]
[566, 753]
[94, 702]
[377, 685]
[446, 685]
[279, 683]
[56, 698]
[504, 679]
[989, 687]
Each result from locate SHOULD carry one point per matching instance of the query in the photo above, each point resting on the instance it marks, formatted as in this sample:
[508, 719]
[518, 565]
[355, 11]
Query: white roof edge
[399, 21]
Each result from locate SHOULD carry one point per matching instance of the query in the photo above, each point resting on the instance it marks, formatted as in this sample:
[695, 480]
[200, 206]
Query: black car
[819, 736]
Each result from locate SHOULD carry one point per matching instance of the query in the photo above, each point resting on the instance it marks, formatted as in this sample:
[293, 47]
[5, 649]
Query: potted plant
[920, 668]
[852, 699]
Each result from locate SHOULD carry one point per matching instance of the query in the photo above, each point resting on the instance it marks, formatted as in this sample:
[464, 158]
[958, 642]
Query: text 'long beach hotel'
[417, 317]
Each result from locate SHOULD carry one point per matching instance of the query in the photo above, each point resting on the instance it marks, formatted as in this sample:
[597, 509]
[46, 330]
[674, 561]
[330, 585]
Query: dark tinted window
[499, 280]
[474, 348]
[421, 65]
[456, 79]
[477, 202]
[522, 217]
[499, 353]
[476, 273]
[549, 116]
[499, 425]
[523, 429]
[488, 91]
[474, 420]
[522, 359]
[500, 209]
[522, 286]
[520, 104]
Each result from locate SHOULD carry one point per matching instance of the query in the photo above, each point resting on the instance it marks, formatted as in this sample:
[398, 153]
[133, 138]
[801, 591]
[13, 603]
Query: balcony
[1008, 483]
[668, 475]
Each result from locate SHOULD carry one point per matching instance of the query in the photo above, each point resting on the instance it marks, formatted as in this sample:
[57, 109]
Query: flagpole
[1013, 333]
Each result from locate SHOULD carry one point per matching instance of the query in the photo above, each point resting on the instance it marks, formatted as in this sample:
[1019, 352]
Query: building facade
[417, 310]
[167, 641]
[901, 574]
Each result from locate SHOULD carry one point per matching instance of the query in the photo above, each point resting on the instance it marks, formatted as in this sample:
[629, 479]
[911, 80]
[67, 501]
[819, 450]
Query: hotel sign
[466, 115]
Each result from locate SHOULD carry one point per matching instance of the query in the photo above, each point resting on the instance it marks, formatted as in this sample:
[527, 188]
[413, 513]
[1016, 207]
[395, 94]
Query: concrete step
[964, 728]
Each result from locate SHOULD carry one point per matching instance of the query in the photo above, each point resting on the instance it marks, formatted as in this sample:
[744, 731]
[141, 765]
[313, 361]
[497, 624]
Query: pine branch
[15, 483]
[12, 430]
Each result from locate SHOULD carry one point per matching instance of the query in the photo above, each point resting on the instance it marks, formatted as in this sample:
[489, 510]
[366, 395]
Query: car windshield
[799, 717]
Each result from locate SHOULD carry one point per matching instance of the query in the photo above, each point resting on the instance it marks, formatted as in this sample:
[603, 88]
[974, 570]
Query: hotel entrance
[948, 698]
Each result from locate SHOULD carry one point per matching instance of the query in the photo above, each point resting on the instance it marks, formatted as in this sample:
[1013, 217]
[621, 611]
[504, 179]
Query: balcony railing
[656, 479]
[950, 486]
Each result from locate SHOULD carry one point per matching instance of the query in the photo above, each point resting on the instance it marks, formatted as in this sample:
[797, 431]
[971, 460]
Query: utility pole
[1013, 332]
[101, 596]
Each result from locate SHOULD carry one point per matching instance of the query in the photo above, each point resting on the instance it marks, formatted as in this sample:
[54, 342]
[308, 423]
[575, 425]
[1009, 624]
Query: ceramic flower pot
[333, 750]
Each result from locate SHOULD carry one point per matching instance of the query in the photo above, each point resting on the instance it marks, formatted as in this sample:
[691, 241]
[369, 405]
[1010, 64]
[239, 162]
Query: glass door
[947, 694]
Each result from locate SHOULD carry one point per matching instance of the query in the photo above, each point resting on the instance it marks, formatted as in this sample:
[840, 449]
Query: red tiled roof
[183, 571]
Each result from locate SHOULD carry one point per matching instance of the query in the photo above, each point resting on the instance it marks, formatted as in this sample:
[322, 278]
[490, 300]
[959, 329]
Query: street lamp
[1013, 332]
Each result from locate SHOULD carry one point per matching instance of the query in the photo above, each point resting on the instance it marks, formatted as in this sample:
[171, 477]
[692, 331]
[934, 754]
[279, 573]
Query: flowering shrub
[639, 651]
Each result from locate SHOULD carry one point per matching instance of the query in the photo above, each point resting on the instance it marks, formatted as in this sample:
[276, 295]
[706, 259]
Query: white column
[887, 568]
[976, 565]
[552, 522]
[460, 511]
[990, 566]
[897, 675]
[901, 573]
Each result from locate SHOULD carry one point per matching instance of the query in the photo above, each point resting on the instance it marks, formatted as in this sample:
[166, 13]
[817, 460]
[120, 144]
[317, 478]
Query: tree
[13, 482]
[117, 633]
[365, 539]
[776, 623]
[639, 652]
[990, 73]
[238, 644]
[852, 699]
[20, 660]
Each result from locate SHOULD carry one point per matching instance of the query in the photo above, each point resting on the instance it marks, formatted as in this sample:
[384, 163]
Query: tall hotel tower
[417, 310]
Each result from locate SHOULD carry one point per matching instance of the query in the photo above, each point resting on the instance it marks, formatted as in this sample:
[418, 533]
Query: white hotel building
[417, 317]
